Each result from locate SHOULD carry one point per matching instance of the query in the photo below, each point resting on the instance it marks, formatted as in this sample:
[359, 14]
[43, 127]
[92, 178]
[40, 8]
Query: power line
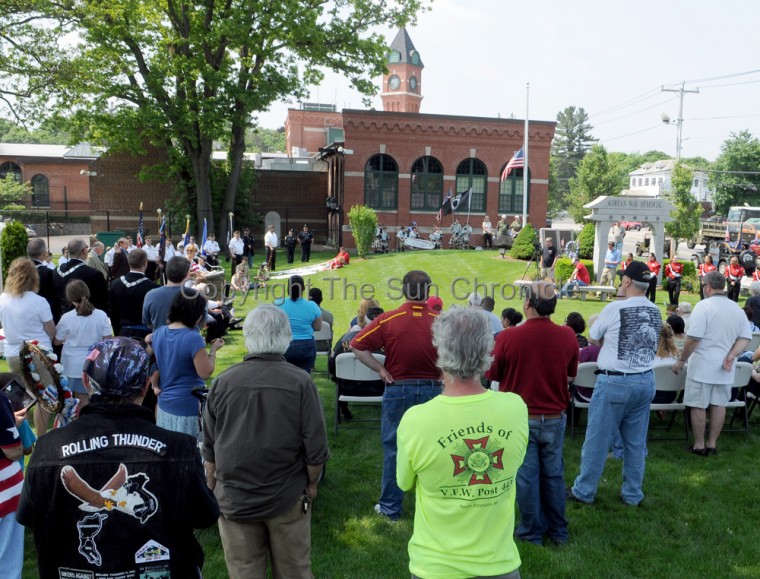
[636, 112]
[648, 94]
[630, 134]
[724, 76]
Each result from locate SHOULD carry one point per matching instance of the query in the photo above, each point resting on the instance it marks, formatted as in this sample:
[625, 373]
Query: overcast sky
[611, 58]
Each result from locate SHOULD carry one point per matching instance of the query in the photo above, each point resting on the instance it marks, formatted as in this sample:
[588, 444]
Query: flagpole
[526, 174]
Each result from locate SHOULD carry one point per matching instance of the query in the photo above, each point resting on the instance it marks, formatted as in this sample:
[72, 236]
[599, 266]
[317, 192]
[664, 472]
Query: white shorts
[701, 394]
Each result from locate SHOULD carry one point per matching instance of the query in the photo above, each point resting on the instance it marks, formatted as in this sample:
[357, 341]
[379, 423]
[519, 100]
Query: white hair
[464, 341]
[267, 330]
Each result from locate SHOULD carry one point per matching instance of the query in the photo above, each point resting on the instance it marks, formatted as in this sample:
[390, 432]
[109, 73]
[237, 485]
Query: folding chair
[669, 388]
[324, 340]
[356, 383]
[581, 391]
[742, 376]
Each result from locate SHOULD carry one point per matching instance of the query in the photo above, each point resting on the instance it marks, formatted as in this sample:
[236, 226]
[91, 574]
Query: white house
[653, 180]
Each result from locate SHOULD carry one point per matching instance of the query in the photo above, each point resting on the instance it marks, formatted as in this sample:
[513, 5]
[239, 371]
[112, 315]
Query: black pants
[674, 290]
[291, 252]
[305, 251]
[487, 241]
[271, 258]
[733, 289]
[236, 261]
[652, 291]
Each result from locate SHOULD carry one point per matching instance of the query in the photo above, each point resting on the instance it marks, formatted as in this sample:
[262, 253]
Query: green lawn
[693, 521]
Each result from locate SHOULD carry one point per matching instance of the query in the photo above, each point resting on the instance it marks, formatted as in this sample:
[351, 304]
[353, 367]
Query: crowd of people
[470, 452]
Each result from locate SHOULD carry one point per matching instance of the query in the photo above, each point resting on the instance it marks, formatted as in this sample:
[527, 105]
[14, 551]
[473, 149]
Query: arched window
[472, 173]
[40, 191]
[426, 184]
[9, 167]
[511, 191]
[381, 182]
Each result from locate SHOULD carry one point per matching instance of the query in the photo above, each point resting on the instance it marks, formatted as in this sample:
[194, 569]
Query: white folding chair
[742, 375]
[324, 335]
[580, 400]
[349, 368]
[669, 385]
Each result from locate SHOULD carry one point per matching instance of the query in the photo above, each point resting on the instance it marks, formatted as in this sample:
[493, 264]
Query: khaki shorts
[701, 395]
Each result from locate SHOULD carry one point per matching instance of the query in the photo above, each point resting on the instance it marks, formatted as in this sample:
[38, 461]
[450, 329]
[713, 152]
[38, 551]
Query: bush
[363, 221]
[564, 269]
[523, 247]
[13, 242]
[585, 241]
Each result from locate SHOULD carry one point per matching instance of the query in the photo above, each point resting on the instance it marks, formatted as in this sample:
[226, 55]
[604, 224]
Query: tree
[182, 74]
[524, 246]
[13, 242]
[12, 191]
[687, 212]
[572, 140]
[597, 175]
[266, 140]
[585, 241]
[363, 221]
[734, 182]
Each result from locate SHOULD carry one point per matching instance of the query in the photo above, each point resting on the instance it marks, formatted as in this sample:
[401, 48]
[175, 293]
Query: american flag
[516, 162]
[140, 228]
[203, 240]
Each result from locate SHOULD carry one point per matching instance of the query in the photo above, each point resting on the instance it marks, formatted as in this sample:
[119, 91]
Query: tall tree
[597, 175]
[183, 73]
[572, 140]
[687, 212]
[736, 180]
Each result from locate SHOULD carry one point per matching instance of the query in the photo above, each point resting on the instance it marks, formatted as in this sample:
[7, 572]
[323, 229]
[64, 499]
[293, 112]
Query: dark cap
[373, 312]
[117, 367]
[637, 271]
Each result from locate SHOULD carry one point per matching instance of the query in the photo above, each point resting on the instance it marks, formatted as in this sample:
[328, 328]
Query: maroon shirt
[406, 338]
[534, 360]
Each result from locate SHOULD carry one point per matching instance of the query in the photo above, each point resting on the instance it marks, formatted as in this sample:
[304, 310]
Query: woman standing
[305, 318]
[183, 363]
[705, 267]
[77, 330]
[734, 275]
[654, 266]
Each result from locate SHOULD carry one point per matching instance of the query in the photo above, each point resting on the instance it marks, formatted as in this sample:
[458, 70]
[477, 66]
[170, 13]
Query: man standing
[157, 301]
[716, 335]
[94, 260]
[461, 452]
[611, 262]
[151, 253]
[515, 226]
[236, 248]
[618, 234]
[628, 331]
[290, 243]
[305, 239]
[249, 243]
[410, 372]
[128, 295]
[271, 241]
[76, 268]
[211, 250]
[265, 491]
[521, 365]
[549, 257]
[36, 250]
[112, 494]
[579, 277]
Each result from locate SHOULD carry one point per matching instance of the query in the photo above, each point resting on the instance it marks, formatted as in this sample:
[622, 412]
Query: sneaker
[387, 517]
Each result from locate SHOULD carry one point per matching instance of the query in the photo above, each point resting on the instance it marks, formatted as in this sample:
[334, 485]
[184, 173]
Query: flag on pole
[516, 162]
[460, 200]
[186, 238]
[728, 235]
[140, 228]
[203, 239]
[162, 240]
[445, 208]
[230, 215]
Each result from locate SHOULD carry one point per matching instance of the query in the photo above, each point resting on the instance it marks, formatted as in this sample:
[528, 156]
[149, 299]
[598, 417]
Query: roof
[404, 45]
[80, 151]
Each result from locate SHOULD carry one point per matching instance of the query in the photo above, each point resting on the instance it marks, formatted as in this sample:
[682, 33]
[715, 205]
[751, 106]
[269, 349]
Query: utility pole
[679, 121]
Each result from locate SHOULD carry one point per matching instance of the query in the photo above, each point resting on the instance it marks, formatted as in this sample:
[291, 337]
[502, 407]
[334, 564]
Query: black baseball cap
[117, 367]
[637, 271]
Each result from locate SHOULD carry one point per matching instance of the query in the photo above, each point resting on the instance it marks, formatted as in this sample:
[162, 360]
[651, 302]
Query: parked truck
[717, 229]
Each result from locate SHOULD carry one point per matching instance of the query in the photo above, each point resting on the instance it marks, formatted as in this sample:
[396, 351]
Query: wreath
[43, 374]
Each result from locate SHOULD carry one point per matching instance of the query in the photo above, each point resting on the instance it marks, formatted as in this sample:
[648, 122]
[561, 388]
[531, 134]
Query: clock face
[413, 83]
[394, 82]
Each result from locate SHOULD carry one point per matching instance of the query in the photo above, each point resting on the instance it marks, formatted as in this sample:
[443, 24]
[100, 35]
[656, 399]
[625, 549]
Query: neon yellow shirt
[461, 454]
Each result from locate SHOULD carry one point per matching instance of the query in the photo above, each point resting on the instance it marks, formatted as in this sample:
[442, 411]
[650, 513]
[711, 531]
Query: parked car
[628, 225]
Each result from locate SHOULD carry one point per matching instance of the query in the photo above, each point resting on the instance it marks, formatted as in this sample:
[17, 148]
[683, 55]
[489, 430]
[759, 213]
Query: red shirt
[674, 270]
[706, 268]
[534, 360]
[654, 266]
[582, 274]
[756, 275]
[405, 335]
[734, 272]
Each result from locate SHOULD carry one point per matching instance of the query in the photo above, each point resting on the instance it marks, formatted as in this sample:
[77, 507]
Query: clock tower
[402, 82]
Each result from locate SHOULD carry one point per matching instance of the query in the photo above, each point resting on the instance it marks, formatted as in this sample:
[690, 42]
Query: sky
[611, 58]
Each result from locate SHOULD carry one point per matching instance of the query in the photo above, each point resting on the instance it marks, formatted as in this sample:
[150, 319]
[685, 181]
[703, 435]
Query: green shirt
[461, 454]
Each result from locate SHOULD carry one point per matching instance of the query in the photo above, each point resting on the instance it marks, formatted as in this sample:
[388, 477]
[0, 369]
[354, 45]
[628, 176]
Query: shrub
[564, 269]
[585, 241]
[363, 221]
[523, 247]
[13, 242]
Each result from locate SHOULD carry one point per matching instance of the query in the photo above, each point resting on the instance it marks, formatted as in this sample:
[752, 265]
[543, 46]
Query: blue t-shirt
[175, 350]
[301, 314]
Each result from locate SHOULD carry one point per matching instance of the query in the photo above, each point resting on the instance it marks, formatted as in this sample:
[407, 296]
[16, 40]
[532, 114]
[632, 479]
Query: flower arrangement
[38, 364]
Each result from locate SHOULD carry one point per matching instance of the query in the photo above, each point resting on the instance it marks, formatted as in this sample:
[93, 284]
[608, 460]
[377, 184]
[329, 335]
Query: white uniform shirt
[271, 240]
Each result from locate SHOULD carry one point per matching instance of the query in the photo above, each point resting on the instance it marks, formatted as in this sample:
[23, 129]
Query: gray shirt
[156, 305]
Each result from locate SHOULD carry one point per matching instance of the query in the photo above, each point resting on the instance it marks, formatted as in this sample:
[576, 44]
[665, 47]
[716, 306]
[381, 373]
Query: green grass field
[694, 521]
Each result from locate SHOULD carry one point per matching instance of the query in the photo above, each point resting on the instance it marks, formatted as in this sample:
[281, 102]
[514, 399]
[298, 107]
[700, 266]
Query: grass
[696, 519]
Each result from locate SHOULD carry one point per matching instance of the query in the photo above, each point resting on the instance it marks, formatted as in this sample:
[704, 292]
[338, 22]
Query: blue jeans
[11, 546]
[541, 483]
[397, 399]
[567, 289]
[618, 403]
[302, 353]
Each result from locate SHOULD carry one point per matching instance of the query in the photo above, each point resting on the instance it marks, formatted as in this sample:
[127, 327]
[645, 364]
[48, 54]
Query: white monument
[606, 211]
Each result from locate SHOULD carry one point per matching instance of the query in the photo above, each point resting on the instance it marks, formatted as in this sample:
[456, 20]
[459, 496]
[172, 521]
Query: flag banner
[460, 200]
[516, 162]
[140, 228]
[162, 240]
[186, 238]
[445, 208]
[203, 239]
